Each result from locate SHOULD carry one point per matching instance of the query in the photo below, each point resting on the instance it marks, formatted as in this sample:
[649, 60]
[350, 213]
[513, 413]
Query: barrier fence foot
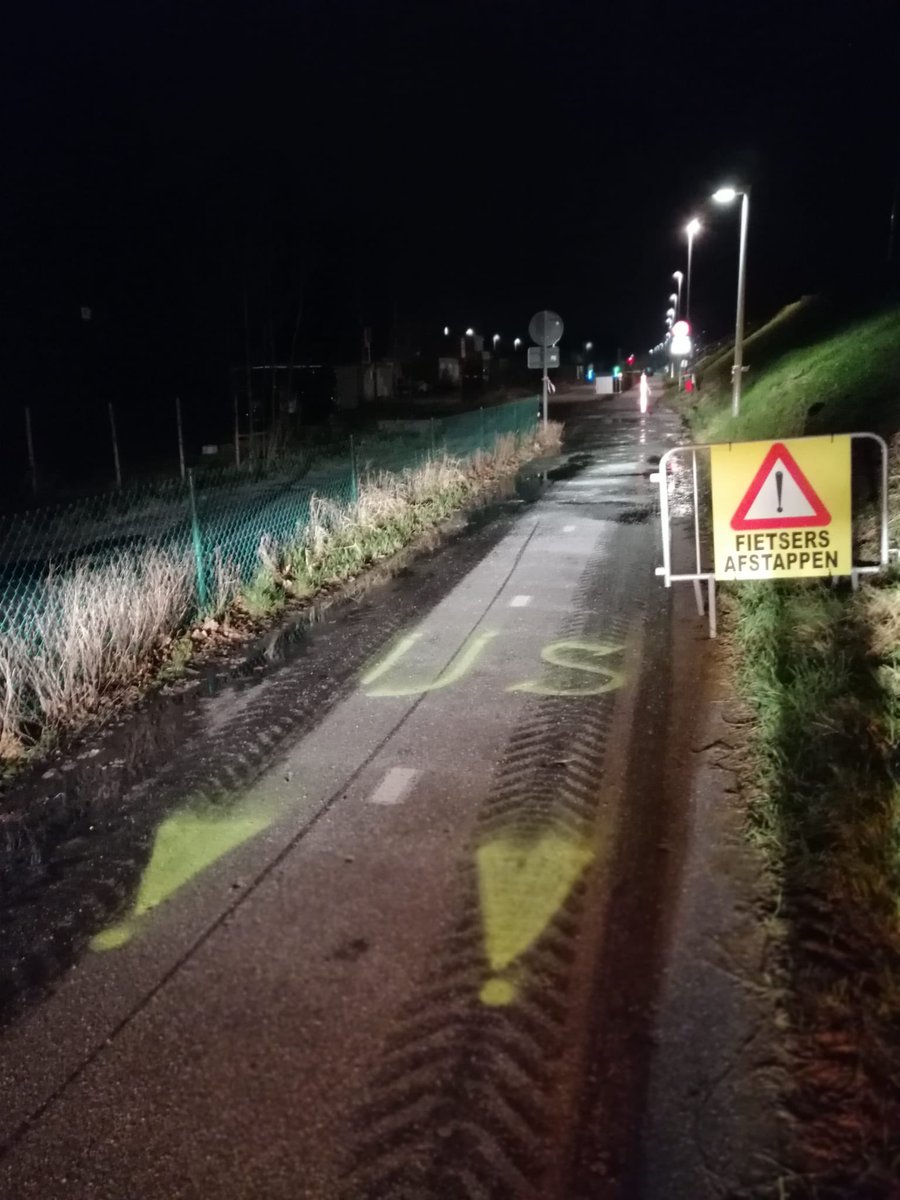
[713, 628]
[698, 596]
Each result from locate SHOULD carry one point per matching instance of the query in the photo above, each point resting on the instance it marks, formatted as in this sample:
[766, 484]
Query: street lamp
[517, 342]
[692, 228]
[725, 195]
[678, 276]
[670, 312]
[495, 339]
[470, 332]
[446, 331]
[588, 346]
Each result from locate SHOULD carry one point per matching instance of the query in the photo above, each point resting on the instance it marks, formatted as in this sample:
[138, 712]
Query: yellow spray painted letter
[576, 655]
[451, 674]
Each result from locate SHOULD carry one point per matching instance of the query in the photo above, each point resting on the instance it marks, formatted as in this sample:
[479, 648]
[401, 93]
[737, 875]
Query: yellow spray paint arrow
[186, 844]
[522, 885]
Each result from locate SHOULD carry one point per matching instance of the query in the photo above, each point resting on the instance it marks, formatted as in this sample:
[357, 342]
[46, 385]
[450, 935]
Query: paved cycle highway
[390, 921]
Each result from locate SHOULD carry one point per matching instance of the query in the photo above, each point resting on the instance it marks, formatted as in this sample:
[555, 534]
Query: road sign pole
[545, 328]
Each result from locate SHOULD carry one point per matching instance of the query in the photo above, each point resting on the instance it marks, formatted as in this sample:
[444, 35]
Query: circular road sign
[545, 328]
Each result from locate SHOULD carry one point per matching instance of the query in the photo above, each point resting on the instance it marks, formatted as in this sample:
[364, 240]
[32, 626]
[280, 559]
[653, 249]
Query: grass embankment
[821, 669]
[806, 377]
[106, 632]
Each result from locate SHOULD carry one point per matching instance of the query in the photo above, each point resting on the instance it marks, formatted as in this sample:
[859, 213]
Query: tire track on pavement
[462, 1102]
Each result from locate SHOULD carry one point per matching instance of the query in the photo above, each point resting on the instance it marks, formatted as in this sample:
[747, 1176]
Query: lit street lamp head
[725, 195]
[693, 226]
[470, 332]
[673, 297]
[679, 275]
[670, 312]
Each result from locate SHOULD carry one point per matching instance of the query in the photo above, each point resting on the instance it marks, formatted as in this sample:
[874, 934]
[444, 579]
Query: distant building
[282, 400]
[364, 383]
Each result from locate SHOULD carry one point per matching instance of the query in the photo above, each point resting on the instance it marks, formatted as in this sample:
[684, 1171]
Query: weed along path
[391, 917]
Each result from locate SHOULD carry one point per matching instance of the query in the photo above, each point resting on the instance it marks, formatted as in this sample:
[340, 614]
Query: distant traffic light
[630, 360]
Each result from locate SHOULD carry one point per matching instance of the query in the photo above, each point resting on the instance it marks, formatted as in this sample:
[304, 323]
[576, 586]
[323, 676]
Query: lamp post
[678, 276]
[725, 195]
[691, 229]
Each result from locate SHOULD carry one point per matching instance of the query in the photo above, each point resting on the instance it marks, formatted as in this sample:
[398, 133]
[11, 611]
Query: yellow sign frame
[751, 541]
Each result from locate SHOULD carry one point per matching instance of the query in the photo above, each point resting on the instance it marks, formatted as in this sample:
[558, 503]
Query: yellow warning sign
[782, 509]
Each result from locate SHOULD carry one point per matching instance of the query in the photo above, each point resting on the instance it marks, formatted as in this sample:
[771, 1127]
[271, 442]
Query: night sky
[455, 163]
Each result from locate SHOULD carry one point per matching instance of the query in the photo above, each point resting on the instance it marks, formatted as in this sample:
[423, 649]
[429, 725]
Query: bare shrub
[11, 662]
[94, 631]
[226, 582]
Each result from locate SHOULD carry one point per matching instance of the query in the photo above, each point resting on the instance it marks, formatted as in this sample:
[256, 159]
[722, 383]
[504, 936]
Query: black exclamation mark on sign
[779, 476]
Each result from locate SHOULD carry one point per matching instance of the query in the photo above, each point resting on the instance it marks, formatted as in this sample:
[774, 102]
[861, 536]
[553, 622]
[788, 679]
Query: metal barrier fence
[685, 497]
[220, 516]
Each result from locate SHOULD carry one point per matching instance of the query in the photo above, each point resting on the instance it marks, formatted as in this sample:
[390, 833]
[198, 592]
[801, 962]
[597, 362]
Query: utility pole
[892, 224]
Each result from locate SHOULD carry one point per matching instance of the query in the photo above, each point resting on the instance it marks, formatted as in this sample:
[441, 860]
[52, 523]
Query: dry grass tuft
[879, 608]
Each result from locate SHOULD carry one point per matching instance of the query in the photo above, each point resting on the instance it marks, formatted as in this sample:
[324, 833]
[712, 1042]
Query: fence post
[432, 438]
[31, 463]
[197, 540]
[354, 476]
[180, 435]
[115, 444]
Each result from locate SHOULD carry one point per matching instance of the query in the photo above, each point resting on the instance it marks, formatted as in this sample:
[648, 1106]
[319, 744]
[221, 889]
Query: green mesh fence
[215, 522]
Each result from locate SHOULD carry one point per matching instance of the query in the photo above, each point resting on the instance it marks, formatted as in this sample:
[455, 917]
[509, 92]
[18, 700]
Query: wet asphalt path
[385, 925]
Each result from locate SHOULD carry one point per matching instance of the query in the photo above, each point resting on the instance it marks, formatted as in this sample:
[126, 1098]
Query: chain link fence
[214, 522]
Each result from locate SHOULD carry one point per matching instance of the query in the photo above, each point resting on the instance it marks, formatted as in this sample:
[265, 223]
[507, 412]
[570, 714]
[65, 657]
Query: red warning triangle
[780, 496]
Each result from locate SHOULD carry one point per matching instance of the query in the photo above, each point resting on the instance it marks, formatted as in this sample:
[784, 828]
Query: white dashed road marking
[519, 601]
[568, 528]
[394, 786]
